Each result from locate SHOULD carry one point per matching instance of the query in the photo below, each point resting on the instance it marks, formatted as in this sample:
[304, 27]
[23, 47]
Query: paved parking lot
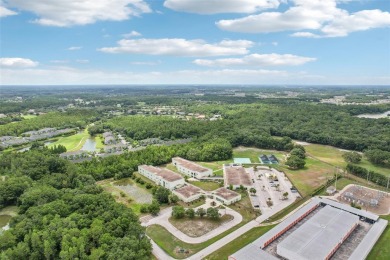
[269, 188]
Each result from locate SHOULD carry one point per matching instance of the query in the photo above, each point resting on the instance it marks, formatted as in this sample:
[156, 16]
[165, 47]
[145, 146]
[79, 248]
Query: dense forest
[63, 214]
[257, 123]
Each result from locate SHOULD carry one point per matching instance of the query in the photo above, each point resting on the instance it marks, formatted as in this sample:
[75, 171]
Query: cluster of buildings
[187, 192]
[322, 229]
[31, 136]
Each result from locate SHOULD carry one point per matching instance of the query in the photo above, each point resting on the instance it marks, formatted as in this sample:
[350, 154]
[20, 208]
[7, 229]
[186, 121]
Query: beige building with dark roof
[190, 168]
[226, 196]
[188, 193]
[236, 176]
[163, 177]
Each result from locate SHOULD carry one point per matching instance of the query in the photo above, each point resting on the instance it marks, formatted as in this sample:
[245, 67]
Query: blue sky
[195, 42]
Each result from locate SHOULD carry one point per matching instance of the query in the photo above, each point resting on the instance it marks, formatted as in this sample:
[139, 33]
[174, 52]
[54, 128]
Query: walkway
[161, 255]
[162, 220]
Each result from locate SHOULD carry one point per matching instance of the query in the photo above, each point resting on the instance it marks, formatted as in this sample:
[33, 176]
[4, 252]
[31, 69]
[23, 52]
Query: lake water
[375, 116]
[4, 220]
[90, 145]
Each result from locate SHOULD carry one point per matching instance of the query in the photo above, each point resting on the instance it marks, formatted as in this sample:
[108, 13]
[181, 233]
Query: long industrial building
[316, 231]
[191, 169]
[163, 177]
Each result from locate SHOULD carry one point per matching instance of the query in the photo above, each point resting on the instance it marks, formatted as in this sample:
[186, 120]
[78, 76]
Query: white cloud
[17, 63]
[74, 48]
[5, 11]
[71, 76]
[132, 34]
[64, 13]
[272, 59]
[67, 75]
[147, 63]
[82, 61]
[305, 35]
[59, 61]
[220, 6]
[180, 47]
[323, 16]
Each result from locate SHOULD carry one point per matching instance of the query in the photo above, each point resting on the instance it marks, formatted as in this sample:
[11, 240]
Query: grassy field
[99, 142]
[207, 186]
[109, 186]
[253, 153]
[74, 142]
[197, 226]
[28, 116]
[314, 174]
[333, 156]
[6, 214]
[238, 243]
[381, 250]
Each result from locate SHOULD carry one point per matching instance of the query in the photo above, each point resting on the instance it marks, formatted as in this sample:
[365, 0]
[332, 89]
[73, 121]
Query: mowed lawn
[381, 250]
[240, 242]
[333, 156]
[28, 116]
[73, 142]
[207, 186]
[313, 175]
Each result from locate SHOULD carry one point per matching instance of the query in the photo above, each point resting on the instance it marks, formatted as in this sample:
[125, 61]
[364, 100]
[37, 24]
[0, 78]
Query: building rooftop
[166, 174]
[359, 212]
[236, 175]
[252, 252]
[190, 165]
[226, 193]
[318, 236]
[189, 190]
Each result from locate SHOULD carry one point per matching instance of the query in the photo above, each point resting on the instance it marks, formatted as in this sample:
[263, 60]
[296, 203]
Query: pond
[4, 219]
[89, 145]
[376, 116]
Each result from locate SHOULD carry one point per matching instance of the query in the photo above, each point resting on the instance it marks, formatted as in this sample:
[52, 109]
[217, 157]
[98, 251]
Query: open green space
[246, 153]
[109, 185]
[73, 142]
[28, 116]
[6, 214]
[381, 250]
[99, 142]
[206, 185]
[9, 210]
[198, 226]
[4, 219]
[333, 155]
[238, 243]
[312, 176]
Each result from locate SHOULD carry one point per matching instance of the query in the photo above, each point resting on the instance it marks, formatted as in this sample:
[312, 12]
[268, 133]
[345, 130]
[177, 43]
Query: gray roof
[350, 209]
[368, 242]
[319, 235]
[270, 234]
[252, 252]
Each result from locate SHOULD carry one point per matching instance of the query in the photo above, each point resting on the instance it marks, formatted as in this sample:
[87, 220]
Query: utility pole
[335, 183]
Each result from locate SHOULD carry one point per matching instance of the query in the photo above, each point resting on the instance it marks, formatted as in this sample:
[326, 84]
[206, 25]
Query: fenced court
[242, 160]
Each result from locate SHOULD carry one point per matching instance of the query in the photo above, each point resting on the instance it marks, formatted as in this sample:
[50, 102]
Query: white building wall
[189, 199]
[227, 202]
[191, 173]
[160, 181]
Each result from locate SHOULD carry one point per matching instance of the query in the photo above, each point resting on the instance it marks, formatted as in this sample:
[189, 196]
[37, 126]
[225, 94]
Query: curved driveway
[162, 220]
